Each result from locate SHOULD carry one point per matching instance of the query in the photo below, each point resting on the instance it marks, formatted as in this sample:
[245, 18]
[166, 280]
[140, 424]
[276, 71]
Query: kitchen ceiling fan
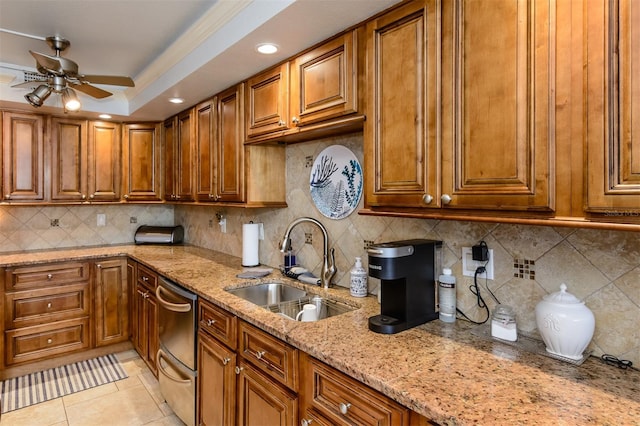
[60, 75]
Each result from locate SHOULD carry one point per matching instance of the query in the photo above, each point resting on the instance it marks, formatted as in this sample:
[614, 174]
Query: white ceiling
[186, 48]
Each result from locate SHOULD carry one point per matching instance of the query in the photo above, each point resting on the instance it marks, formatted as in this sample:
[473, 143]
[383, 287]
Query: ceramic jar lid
[562, 297]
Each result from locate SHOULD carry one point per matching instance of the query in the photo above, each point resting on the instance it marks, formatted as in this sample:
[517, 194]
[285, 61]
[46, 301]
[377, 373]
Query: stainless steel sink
[268, 293]
[288, 300]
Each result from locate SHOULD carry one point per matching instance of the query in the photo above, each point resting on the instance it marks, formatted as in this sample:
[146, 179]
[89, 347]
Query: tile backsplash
[600, 267]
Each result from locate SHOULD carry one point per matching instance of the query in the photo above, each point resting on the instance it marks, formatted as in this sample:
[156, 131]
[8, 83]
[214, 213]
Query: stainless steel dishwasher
[176, 357]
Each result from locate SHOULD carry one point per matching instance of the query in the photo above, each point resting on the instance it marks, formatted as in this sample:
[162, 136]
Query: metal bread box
[146, 234]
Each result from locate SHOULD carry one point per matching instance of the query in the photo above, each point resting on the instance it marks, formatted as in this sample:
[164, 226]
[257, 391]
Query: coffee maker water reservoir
[408, 271]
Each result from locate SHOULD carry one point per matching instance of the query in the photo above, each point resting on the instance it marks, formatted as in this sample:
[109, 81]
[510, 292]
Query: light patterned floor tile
[47, 413]
[97, 392]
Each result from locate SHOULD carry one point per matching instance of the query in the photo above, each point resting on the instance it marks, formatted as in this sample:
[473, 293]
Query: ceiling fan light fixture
[38, 96]
[70, 100]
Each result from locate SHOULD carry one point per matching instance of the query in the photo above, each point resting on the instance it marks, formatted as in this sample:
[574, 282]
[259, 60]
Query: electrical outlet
[469, 265]
[101, 219]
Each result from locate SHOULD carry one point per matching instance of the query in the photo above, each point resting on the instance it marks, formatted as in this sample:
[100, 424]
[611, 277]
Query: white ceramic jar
[565, 323]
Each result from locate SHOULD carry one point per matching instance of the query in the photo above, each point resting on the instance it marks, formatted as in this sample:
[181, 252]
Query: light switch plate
[469, 265]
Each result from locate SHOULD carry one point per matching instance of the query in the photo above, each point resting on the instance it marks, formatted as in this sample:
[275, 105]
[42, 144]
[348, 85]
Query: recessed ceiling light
[176, 100]
[105, 116]
[267, 48]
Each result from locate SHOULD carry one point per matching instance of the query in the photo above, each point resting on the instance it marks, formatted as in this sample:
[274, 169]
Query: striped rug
[30, 389]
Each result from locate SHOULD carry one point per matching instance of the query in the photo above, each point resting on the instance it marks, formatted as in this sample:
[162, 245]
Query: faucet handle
[329, 270]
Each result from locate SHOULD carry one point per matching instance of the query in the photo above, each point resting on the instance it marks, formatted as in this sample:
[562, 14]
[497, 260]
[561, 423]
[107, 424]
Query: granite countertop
[442, 371]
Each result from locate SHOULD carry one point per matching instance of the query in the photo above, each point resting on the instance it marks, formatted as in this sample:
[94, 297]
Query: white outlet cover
[469, 265]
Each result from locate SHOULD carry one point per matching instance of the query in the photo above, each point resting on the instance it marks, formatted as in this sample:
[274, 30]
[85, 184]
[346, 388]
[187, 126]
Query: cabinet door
[262, 402]
[68, 159]
[104, 161]
[401, 136]
[230, 150]
[22, 157]
[111, 302]
[498, 113]
[169, 147]
[185, 151]
[216, 383]
[613, 109]
[141, 158]
[205, 115]
[324, 81]
[268, 101]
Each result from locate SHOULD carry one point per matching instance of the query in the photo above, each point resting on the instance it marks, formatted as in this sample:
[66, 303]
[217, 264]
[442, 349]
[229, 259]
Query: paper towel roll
[250, 244]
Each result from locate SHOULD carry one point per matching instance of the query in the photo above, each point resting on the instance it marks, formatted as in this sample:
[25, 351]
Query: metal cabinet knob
[427, 198]
[260, 354]
[281, 123]
[49, 305]
[239, 369]
[83, 196]
[145, 279]
[446, 198]
[49, 341]
[210, 322]
[7, 196]
[92, 196]
[306, 422]
[49, 276]
[225, 361]
[99, 266]
[295, 120]
[344, 408]
[126, 196]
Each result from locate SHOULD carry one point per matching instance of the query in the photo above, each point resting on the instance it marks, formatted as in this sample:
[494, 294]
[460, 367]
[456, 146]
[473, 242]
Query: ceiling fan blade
[49, 63]
[113, 80]
[92, 90]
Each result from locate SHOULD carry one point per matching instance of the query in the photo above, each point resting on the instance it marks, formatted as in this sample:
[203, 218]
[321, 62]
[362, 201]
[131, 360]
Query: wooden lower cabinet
[216, 382]
[111, 301]
[263, 402]
[144, 317]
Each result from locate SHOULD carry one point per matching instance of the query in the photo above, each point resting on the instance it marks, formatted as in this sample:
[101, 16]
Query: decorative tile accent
[524, 268]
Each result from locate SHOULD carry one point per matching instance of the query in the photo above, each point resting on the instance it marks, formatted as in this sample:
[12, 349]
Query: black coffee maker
[407, 271]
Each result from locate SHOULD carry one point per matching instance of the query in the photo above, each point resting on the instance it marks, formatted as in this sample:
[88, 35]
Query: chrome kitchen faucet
[329, 260]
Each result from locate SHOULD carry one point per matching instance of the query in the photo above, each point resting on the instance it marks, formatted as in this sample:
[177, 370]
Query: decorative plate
[336, 182]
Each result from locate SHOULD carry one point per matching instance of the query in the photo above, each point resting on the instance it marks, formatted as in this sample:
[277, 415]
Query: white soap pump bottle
[447, 296]
[358, 286]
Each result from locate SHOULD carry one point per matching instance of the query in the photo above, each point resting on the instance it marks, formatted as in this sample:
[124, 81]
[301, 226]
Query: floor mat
[34, 388]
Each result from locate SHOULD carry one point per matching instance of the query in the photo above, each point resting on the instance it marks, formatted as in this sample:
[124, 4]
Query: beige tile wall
[601, 267]
[34, 228]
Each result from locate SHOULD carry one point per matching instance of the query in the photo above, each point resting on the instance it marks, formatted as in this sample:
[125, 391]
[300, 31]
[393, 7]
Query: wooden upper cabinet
[22, 157]
[613, 109]
[230, 146]
[268, 101]
[85, 160]
[401, 148]
[69, 159]
[324, 81]
[205, 116]
[105, 161]
[179, 147]
[498, 114]
[141, 162]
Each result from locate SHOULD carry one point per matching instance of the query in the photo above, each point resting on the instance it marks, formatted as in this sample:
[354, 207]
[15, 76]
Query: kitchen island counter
[439, 370]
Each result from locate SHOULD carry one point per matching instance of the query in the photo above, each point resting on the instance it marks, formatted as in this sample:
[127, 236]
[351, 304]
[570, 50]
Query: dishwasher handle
[175, 307]
[162, 356]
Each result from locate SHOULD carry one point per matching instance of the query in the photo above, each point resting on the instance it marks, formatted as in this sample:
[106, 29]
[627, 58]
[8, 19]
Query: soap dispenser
[358, 279]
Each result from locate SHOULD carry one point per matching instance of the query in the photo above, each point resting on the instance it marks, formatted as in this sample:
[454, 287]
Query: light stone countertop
[439, 370]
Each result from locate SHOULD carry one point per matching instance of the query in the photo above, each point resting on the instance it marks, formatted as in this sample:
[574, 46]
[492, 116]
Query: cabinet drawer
[47, 275]
[25, 308]
[42, 341]
[218, 323]
[147, 277]
[272, 356]
[343, 400]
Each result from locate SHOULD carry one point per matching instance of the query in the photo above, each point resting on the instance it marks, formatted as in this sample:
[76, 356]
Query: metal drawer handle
[225, 361]
[175, 307]
[210, 322]
[239, 369]
[163, 357]
[344, 408]
[260, 354]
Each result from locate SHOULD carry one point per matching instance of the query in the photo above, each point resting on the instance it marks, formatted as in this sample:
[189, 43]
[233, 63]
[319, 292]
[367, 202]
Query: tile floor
[133, 401]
